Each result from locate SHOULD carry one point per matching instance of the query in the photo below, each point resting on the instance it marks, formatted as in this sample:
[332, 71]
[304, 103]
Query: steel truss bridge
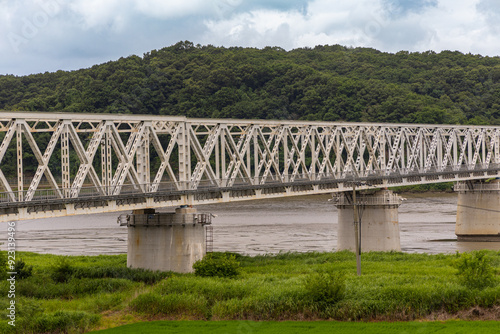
[91, 163]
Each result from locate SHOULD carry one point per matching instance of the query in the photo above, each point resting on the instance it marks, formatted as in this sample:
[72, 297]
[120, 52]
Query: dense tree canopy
[331, 83]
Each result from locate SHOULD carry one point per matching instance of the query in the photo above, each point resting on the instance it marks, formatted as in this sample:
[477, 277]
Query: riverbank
[83, 293]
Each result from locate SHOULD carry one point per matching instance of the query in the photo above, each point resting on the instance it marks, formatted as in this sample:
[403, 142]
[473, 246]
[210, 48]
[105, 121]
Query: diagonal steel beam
[42, 161]
[165, 159]
[86, 157]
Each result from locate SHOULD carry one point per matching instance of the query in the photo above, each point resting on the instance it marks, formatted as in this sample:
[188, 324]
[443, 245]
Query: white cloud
[455, 25]
[437, 25]
[172, 9]
[101, 14]
[490, 10]
[259, 28]
[323, 22]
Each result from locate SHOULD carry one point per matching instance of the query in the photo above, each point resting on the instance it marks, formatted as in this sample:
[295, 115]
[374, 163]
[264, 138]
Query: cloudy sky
[48, 35]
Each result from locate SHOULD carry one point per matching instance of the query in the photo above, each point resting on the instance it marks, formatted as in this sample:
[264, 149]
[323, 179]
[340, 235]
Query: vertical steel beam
[285, 156]
[256, 161]
[496, 140]
[483, 147]
[217, 158]
[223, 153]
[312, 145]
[249, 162]
[455, 147]
[383, 148]
[338, 154]
[302, 152]
[65, 171]
[184, 155]
[440, 144]
[106, 161]
[20, 179]
[142, 160]
[469, 148]
[422, 145]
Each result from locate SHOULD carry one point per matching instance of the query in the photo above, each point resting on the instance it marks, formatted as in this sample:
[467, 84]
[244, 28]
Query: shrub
[474, 269]
[62, 270]
[216, 264]
[22, 270]
[325, 287]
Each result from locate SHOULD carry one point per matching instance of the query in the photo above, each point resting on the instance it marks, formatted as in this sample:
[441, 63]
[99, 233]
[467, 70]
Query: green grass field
[301, 327]
[79, 294]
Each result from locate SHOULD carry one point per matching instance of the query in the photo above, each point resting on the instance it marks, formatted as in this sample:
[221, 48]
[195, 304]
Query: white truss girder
[116, 155]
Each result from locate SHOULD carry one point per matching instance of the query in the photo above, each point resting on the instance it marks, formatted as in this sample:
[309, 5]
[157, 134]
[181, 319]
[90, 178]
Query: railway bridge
[59, 164]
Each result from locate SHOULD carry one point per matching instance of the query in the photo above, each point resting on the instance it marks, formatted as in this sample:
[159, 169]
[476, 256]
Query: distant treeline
[330, 83]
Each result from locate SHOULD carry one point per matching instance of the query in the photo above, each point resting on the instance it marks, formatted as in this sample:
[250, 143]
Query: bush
[326, 287]
[217, 265]
[62, 270]
[22, 270]
[475, 270]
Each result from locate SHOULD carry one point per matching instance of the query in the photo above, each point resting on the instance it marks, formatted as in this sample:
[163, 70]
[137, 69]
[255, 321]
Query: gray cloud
[398, 8]
[47, 35]
[490, 9]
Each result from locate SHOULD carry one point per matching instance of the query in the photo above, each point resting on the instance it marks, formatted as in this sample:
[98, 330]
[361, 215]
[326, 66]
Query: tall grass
[59, 322]
[285, 286]
[394, 285]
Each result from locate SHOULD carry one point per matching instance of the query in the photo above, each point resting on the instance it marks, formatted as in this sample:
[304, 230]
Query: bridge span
[91, 163]
[59, 164]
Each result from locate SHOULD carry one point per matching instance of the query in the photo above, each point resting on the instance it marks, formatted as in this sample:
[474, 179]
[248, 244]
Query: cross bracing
[88, 163]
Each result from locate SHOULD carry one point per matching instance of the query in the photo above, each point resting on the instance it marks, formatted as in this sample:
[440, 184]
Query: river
[301, 224]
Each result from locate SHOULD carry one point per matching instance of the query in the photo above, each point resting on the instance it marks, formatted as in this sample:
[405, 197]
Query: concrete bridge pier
[478, 211]
[166, 241]
[378, 214]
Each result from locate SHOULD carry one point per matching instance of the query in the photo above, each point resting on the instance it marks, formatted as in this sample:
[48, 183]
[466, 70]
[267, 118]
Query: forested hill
[331, 83]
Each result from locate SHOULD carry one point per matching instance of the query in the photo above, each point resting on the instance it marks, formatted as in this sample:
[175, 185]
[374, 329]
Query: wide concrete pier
[478, 211]
[166, 241]
[378, 213]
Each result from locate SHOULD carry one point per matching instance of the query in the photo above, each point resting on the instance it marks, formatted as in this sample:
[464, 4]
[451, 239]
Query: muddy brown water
[300, 224]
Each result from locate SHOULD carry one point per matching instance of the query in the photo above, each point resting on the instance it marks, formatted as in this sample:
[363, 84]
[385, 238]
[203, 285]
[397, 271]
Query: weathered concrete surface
[478, 212]
[166, 241]
[379, 223]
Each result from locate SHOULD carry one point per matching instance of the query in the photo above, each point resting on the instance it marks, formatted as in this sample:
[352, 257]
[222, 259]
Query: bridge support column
[478, 211]
[378, 214]
[166, 241]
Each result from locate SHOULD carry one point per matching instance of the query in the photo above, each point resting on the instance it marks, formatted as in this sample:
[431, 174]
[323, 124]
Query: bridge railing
[374, 176]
